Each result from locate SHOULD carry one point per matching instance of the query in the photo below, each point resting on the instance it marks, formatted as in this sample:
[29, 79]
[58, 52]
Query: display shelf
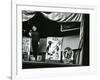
[37, 64]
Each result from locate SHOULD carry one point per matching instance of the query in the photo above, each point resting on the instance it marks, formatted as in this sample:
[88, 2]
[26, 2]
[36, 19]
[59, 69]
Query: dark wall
[86, 54]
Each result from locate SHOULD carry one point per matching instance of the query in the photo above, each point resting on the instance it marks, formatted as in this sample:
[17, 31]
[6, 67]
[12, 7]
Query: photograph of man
[68, 55]
[34, 34]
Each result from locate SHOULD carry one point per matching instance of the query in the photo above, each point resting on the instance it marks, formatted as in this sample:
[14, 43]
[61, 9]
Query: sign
[26, 46]
[53, 49]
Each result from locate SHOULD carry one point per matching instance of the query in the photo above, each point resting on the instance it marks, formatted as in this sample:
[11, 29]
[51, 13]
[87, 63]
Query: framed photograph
[50, 40]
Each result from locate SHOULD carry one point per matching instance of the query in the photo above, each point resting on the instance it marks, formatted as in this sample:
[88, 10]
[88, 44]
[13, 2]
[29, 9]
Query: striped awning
[54, 16]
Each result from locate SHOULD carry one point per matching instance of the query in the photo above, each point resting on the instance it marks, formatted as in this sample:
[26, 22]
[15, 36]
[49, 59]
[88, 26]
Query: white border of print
[18, 73]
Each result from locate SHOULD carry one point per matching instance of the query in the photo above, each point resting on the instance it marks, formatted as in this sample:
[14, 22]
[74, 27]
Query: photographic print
[54, 39]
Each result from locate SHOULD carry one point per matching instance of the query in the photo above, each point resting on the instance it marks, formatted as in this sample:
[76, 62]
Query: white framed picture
[52, 40]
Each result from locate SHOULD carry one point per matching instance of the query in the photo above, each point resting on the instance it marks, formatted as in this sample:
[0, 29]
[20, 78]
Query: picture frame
[17, 72]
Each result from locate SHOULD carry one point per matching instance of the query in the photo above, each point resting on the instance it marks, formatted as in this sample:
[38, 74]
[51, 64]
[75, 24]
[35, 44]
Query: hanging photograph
[52, 40]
